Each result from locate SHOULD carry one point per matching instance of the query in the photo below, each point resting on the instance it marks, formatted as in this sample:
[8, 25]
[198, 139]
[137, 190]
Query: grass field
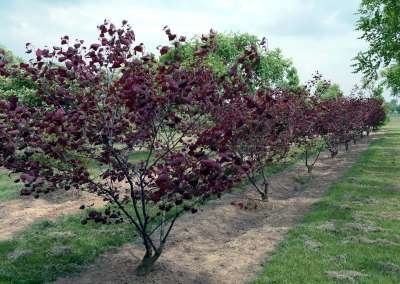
[353, 234]
[8, 189]
[49, 249]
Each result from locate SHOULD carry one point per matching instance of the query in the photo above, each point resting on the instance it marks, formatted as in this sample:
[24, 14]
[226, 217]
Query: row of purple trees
[202, 133]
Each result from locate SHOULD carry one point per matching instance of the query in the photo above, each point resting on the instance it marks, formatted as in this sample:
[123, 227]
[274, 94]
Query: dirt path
[223, 244]
[18, 214]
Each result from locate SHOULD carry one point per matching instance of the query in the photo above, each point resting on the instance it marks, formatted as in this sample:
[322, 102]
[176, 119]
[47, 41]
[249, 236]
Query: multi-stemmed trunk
[264, 187]
[334, 152]
[346, 145]
[264, 192]
[332, 146]
[309, 166]
[148, 260]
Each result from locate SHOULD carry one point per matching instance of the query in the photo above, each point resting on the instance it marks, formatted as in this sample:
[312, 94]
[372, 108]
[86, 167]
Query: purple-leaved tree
[105, 102]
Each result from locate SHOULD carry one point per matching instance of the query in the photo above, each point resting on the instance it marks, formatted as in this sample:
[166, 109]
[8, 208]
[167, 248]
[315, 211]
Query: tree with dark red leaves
[258, 130]
[308, 133]
[307, 136]
[332, 120]
[332, 129]
[374, 114]
[201, 132]
[345, 119]
[102, 103]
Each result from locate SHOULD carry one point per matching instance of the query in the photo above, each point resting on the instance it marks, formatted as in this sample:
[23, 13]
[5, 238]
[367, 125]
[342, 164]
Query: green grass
[138, 156]
[49, 249]
[355, 227]
[8, 189]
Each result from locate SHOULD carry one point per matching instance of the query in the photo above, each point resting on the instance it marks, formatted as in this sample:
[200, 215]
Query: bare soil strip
[15, 215]
[222, 243]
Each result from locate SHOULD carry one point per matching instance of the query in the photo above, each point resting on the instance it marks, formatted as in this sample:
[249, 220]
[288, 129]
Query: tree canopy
[273, 69]
[18, 85]
[379, 23]
[331, 92]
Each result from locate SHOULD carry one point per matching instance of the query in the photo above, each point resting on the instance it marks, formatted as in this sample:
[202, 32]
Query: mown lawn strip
[353, 234]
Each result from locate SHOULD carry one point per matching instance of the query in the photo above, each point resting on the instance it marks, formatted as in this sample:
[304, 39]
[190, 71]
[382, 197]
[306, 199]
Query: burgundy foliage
[201, 133]
[104, 102]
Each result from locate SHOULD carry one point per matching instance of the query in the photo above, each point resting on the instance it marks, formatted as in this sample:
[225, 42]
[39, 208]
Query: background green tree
[379, 23]
[9, 56]
[391, 77]
[393, 106]
[333, 91]
[273, 69]
[17, 85]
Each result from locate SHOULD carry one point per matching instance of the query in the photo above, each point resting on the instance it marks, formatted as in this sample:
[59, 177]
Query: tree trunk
[309, 167]
[148, 261]
[264, 194]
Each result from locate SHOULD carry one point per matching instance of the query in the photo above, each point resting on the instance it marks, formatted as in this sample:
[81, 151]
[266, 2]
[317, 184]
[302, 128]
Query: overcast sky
[315, 34]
